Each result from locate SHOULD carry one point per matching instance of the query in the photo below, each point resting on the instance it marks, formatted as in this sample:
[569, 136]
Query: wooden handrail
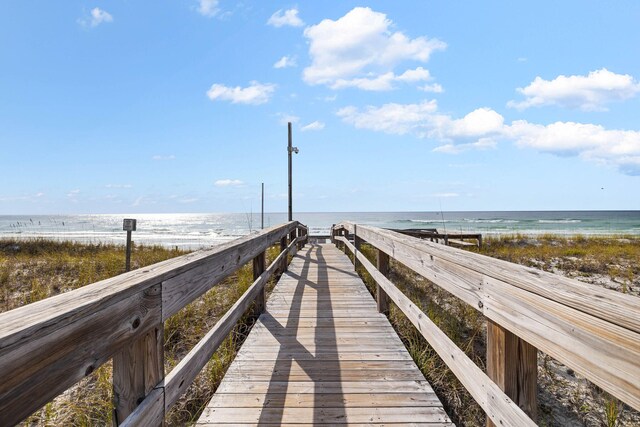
[179, 379]
[494, 401]
[593, 330]
[48, 346]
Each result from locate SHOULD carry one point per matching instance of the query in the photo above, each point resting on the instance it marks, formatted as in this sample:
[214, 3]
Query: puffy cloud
[96, 17]
[359, 50]
[254, 94]
[288, 17]
[589, 93]
[435, 88]
[208, 8]
[228, 183]
[390, 118]
[285, 62]
[313, 126]
[588, 141]
[482, 128]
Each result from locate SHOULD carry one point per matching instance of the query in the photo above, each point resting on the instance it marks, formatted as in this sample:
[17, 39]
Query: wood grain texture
[322, 354]
[179, 379]
[47, 346]
[512, 364]
[180, 290]
[37, 368]
[590, 329]
[137, 368]
[496, 404]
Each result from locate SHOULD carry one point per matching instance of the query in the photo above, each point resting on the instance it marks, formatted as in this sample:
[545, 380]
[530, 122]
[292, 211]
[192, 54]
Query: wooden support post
[381, 296]
[138, 367]
[512, 364]
[127, 264]
[357, 241]
[345, 234]
[283, 246]
[258, 268]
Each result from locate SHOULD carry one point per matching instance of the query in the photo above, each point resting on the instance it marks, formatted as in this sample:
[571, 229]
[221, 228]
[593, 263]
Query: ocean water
[198, 230]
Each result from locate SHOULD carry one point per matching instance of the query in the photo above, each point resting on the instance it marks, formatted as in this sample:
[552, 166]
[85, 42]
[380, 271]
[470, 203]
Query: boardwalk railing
[48, 346]
[590, 329]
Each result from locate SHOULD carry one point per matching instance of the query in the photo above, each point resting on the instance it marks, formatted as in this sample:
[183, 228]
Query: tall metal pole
[290, 151]
[262, 214]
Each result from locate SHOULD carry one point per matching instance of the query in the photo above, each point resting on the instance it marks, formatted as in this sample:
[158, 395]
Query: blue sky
[181, 106]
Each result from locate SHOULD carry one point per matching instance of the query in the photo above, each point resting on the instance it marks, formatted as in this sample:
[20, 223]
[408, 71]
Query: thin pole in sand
[262, 211]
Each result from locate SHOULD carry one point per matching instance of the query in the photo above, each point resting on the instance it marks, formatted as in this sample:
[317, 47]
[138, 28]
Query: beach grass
[31, 270]
[36, 269]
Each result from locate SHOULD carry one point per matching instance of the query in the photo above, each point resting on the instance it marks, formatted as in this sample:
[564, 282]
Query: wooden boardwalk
[322, 354]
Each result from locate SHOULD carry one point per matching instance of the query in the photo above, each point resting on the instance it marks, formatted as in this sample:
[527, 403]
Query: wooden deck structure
[320, 351]
[322, 354]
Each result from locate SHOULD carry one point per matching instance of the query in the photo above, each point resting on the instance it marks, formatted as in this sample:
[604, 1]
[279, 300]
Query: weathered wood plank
[184, 373]
[149, 413]
[614, 307]
[321, 353]
[137, 368]
[512, 364]
[325, 415]
[604, 347]
[496, 404]
[323, 400]
[181, 289]
[280, 387]
[35, 369]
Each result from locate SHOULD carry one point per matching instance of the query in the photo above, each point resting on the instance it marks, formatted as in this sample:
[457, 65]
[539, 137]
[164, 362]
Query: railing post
[345, 234]
[283, 246]
[357, 243]
[139, 366]
[258, 269]
[512, 364]
[381, 296]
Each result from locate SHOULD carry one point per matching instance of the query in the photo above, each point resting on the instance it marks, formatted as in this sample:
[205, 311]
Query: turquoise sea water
[204, 229]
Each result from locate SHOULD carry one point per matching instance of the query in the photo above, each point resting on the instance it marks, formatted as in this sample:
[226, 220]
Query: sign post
[128, 225]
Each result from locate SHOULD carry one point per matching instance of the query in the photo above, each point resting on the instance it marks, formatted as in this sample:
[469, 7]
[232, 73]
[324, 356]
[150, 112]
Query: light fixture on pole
[290, 149]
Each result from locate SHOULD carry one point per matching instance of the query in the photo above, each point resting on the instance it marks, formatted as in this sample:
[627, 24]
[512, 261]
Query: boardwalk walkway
[322, 354]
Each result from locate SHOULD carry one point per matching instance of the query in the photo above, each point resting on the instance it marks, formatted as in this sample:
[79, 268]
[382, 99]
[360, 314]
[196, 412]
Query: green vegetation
[36, 269]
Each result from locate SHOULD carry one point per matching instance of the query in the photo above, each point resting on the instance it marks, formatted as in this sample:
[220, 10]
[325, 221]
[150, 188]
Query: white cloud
[208, 8]
[119, 186]
[482, 128]
[285, 62]
[445, 195]
[620, 148]
[383, 81]
[96, 17]
[589, 93]
[288, 17]
[159, 157]
[390, 118]
[360, 50]
[228, 183]
[434, 88]
[480, 144]
[313, 126]
[254, 94]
